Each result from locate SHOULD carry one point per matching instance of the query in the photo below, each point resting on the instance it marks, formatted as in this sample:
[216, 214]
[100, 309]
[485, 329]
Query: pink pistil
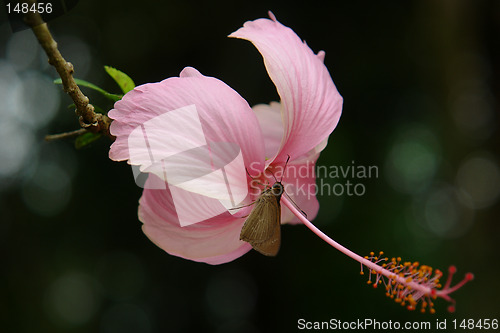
[405, 282]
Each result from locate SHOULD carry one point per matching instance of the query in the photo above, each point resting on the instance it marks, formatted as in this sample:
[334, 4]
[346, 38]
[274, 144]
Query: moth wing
[271, 246]
[262, 229]
[257, 227]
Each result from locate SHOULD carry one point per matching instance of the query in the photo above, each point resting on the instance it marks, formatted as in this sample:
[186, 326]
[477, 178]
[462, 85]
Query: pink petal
[300, 184]
[311, 155]
[271, 124]
[311, 102]
[224, 115]
[214, 241]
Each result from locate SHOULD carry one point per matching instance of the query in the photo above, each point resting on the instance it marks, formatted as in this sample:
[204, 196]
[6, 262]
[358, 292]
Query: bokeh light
[72, 299]
[10, 91]
[441, 211]
[412, 160]
[39, 93]
[479, 177]
[125, 318]
[29, 101]
[48, 191]
[78, 51]
[16, 143]
[22, 50]
[120, 275]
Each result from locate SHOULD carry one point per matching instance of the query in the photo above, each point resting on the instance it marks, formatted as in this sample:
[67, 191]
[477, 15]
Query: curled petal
[312, 155]
[269, 116]
[311, 102]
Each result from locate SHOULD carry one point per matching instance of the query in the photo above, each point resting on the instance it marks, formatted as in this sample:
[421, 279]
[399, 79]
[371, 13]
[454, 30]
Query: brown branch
[87, 117]
[65, 135]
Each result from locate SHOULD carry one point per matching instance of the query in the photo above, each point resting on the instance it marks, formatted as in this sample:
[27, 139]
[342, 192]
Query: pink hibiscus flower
[299, 126]
[197, 139]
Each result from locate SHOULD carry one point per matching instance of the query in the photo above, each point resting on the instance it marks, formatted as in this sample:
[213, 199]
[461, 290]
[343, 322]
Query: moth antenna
[296, 206]
[248, 173]
[284, 168]
[272, 173]
[255, 180]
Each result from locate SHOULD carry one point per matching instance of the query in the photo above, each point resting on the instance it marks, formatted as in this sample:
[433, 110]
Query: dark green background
[396, 63]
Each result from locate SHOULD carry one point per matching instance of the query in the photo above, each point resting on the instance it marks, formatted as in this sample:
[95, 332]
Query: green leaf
[99, 109]
[123, 80]
[86, 139]
[83, 83]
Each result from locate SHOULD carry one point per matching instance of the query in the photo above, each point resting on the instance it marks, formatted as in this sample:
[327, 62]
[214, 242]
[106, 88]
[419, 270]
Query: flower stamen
[410, 283]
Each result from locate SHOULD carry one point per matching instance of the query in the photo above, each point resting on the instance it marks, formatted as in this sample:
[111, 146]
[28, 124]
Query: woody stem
[88, 118]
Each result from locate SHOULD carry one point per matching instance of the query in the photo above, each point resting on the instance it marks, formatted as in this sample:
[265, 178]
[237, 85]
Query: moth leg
[296, 206]
[252, 203]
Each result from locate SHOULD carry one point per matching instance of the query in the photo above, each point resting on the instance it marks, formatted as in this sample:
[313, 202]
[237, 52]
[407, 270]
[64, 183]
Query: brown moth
[262, 228]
